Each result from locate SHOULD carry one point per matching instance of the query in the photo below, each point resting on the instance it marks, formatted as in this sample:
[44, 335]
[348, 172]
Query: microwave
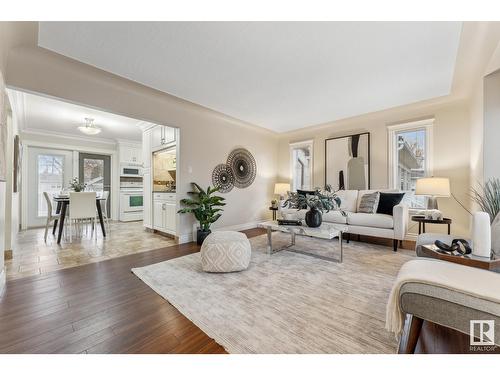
[130, 171]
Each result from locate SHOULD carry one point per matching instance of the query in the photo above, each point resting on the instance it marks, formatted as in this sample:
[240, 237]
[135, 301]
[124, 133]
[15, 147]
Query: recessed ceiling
[278, 75]
[58, 117]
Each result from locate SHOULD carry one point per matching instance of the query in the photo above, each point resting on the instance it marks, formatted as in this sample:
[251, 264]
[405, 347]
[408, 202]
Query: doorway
[52, 171]
[95, 172]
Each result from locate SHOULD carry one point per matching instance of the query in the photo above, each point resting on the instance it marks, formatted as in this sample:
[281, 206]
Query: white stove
[131, 200]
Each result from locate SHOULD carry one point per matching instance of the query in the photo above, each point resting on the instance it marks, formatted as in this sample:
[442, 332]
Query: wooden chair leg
[410, 336]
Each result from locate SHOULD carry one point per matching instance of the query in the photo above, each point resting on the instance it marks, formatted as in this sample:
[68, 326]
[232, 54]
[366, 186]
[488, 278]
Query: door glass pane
[135, 201]
[50, 178]
[93, 174]
[411, 154]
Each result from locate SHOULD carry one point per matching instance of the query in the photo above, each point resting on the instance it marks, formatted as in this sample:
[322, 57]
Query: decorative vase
[201, 235]
[313, 218]
[481, 235]
[495, 235]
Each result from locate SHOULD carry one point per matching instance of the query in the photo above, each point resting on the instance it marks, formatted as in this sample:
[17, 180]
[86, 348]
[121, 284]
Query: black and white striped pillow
[369, 203]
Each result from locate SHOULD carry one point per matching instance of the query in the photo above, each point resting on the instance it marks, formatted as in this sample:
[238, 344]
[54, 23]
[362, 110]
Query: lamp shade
[281, 188]
[433, 186]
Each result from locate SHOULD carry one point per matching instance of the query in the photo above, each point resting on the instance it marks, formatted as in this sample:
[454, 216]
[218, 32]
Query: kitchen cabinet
[130, 154]
[164, 212]
[161, 137]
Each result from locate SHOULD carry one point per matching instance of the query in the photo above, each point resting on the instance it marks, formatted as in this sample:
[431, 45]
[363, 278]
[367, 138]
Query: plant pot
[201, 235]
[495, 235]
[313, 218]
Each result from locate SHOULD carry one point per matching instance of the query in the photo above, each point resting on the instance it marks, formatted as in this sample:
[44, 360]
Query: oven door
[131, 202]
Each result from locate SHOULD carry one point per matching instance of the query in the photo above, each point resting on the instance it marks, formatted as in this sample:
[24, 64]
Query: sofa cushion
[293, 214]
[363, 192]
[335, 217]
[348, 199]
[369, 203]
[387, 202]
[370, 220]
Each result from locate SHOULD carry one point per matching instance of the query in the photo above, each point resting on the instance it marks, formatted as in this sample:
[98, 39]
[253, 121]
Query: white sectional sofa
[375, 225]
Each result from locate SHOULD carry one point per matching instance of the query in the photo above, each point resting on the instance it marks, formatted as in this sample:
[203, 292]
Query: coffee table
[325, 231]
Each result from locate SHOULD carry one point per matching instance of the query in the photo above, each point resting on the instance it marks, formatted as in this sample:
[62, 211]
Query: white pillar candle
[481, 234]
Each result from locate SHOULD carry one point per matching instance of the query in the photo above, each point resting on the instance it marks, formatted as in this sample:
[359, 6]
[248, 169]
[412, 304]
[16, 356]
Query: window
[410, 158]
[93, 174]
[50, 178]
[301, 158]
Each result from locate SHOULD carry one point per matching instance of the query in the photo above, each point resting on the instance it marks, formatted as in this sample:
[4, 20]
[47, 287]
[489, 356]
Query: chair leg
[410, 336]
[46, 229]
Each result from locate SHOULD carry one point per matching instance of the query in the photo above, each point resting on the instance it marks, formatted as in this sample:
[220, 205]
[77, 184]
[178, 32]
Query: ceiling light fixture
[89, 128]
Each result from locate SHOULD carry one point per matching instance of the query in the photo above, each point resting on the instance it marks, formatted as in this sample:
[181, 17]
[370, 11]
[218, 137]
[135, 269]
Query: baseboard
[3, 280]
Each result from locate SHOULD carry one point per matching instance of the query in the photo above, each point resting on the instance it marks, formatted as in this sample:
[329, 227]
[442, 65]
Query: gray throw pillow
[369, 203]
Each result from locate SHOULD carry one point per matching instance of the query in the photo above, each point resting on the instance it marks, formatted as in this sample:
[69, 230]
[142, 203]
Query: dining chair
[51, 216]
[82, 208]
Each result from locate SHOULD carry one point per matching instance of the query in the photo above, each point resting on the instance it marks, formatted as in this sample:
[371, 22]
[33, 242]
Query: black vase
[201, 235]
[313, 218]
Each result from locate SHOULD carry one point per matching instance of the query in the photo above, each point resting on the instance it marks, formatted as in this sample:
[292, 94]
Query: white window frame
[302, 144]
[392, 130]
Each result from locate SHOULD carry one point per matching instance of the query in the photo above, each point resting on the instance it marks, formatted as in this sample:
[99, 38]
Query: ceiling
[40, 113]
[278, 75]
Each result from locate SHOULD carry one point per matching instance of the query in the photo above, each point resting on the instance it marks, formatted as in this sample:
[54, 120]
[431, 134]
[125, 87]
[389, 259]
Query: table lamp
[433, 187]
[281, 189]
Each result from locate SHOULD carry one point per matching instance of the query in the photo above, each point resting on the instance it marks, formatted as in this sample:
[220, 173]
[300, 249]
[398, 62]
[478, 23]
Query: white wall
[491, 135]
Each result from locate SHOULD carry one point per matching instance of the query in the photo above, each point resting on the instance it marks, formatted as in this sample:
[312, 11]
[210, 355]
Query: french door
[95, 171]
[50, 171]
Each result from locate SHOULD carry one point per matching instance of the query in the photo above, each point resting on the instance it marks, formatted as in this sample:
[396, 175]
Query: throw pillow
[387, 201]
[369, 203]
[305, 193]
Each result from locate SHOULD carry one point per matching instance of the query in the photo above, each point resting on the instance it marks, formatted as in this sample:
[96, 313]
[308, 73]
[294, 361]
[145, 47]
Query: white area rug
[287, 302]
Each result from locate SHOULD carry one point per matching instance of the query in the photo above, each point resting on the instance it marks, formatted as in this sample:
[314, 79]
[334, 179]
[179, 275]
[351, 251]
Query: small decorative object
[244, 167]
[433, 215]
[76, 185]
[205, 207]
[274, 203]
[487, 196]
[481, 234]
[317, 203]
[223, 178]
[433, 187]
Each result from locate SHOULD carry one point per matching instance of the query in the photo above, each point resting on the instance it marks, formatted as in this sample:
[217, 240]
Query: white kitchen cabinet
[164, 212]
[130, 154]
[161, 137]
[147, 200]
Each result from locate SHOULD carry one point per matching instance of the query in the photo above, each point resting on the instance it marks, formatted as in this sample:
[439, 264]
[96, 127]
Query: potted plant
[76, 185]
[205, 208]
[487, 196]
[317, 203]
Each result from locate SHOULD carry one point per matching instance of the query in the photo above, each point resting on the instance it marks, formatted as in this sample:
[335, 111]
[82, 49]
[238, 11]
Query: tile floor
[32, 256]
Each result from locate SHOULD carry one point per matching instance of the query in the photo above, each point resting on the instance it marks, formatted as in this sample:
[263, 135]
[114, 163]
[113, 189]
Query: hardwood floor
[104, 308]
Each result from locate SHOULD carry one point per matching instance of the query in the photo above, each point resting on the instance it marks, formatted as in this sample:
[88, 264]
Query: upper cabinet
[130, 153]
[161, 137]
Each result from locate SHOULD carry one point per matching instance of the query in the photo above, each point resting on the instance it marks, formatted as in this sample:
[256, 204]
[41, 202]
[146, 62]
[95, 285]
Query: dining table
[61, 209]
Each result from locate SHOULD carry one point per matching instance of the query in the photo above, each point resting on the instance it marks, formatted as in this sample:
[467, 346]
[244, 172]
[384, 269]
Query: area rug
[287, 302]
